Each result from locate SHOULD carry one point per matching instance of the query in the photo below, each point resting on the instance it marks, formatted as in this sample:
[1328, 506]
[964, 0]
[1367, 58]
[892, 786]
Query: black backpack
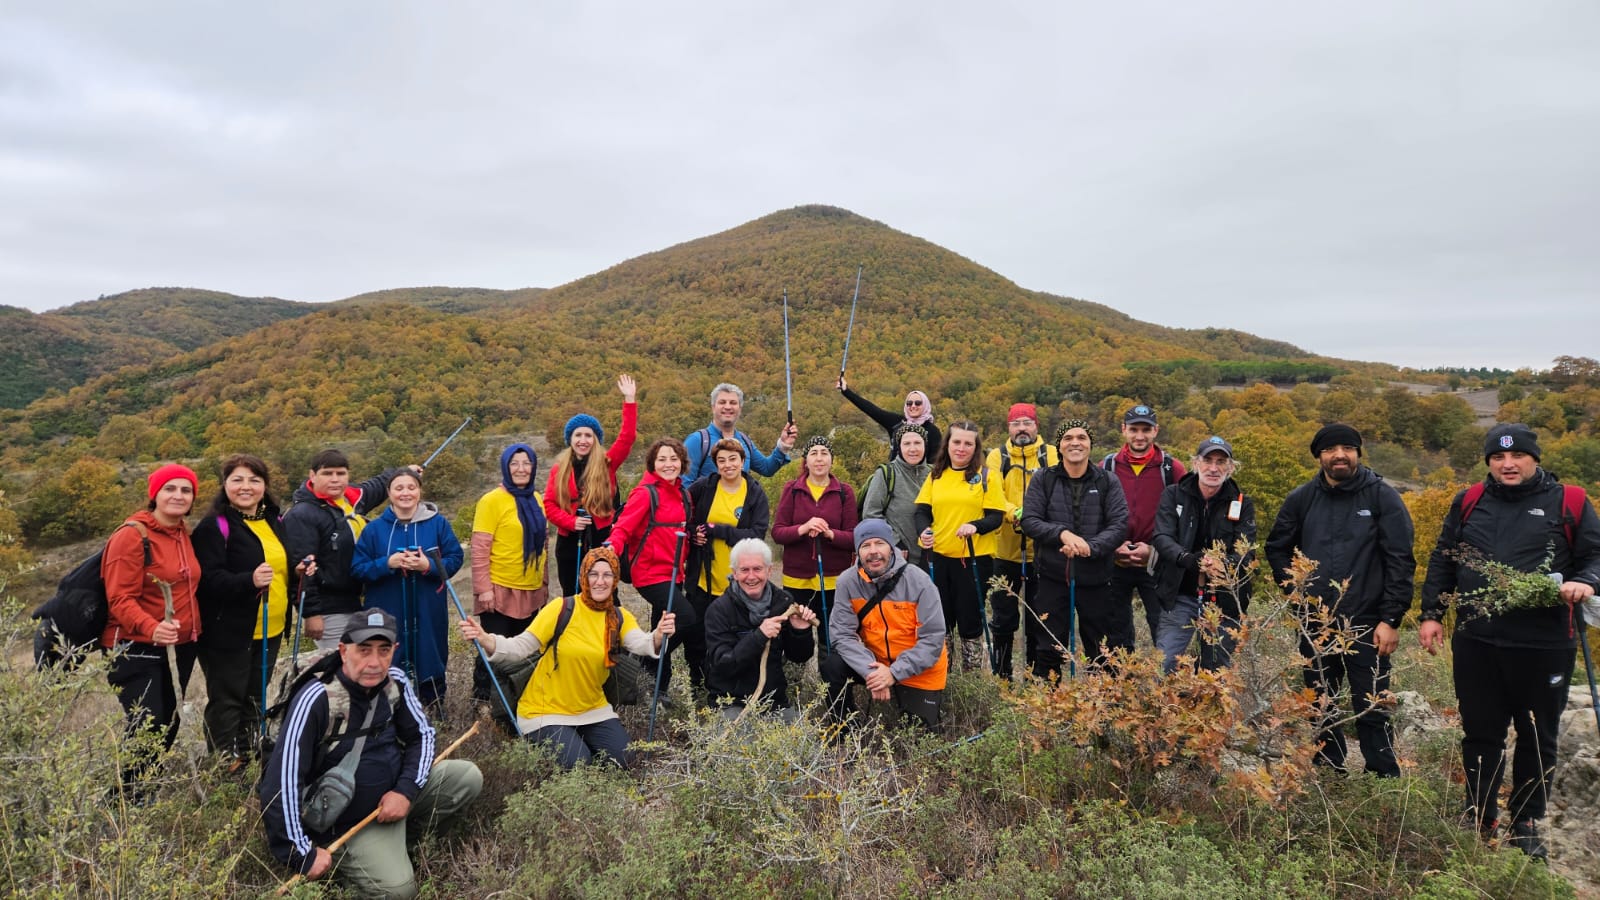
[71, 622]
[627, 559]
[321, 666]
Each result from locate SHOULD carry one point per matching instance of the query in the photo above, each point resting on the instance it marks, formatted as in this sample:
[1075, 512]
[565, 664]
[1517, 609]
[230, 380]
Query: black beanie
[1514, 436]
[1336, 434]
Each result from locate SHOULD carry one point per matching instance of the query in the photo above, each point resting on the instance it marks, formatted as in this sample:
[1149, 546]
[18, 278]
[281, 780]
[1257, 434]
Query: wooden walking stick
[373, 816]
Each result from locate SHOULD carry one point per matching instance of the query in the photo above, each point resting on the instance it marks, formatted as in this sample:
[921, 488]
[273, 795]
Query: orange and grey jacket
[905, 631]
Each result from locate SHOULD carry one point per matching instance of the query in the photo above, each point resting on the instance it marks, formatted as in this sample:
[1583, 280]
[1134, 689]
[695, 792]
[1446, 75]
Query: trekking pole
[372, 816]
[983, 612]
[462, 611]
[1072, 620]
[581, 533]
[1588, 665]
[788, 380]
[430, 459]
[262, 597]
[822, 592]
[852, 326]
[666, 640]
[299, 617]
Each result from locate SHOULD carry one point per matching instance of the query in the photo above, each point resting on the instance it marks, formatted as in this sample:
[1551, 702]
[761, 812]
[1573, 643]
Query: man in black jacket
[324, 522]
[1076, 514]
[1205, 511]
[1358, 532]
[367, 708]
[1512, 666]
[741, 626]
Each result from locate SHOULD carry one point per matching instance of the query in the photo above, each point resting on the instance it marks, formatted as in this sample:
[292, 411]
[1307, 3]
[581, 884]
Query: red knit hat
[1022, 411]
[166, 473]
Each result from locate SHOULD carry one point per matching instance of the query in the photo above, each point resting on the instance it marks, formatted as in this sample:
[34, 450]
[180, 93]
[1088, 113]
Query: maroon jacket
[837, 507]
[1143, 490]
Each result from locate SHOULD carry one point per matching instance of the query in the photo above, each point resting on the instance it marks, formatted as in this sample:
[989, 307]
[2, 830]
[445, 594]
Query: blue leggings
[574, 744]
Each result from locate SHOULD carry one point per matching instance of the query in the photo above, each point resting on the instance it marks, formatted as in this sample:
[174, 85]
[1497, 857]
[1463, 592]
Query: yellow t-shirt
[575, 686]
[955, 502]
[497, 516]
[810, 583]
[726, 506]
[278, 591]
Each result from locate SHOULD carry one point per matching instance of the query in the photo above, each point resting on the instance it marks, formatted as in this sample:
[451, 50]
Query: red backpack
[1572, 500]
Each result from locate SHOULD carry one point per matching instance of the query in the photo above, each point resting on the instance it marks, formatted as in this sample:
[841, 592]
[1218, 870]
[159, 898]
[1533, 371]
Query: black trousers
[505, 626]
[958, 590]
[915, 704]
[568, 557]
[1368, 674]
[233, 694]
[1103, 623]
[1125, 581]
[1524, 688]
[142, 678]
[690, 633]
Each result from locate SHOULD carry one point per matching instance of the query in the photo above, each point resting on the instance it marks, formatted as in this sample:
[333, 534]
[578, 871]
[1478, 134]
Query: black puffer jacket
[1521, 526]
[1357, 529]
[1100, 517]
[754, 520]
[314, 526]
[228, 595]
[1187, 525]
[733, 649]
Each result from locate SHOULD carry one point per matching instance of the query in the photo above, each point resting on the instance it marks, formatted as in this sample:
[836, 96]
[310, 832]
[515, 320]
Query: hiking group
[888, 591]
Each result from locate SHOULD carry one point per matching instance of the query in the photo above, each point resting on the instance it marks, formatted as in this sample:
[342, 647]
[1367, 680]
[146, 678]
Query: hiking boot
[971, 655]
[1525, 837]
[1471, 821]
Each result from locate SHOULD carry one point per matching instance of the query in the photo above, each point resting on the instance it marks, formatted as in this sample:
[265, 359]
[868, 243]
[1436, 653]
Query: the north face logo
[1506, 441]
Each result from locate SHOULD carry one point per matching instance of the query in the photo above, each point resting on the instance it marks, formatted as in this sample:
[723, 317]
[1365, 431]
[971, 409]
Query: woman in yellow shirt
[564, 703]
[727, 506]
[509, 544]
[245, 586]
[958, 510]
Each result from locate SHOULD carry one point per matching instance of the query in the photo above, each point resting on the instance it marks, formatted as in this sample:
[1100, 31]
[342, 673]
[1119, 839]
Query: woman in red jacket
[150, 574]
[815, 525]
[575, 485]
[645, 537]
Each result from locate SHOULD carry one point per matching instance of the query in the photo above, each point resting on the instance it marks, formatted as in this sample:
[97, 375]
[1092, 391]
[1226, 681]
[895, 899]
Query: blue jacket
[418, 602]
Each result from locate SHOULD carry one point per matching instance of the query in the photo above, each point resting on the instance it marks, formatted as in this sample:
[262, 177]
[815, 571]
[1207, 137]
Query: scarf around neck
[528, 511]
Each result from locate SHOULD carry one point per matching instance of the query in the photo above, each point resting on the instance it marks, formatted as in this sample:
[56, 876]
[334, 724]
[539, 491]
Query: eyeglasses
[1023, 422]
[602, 576]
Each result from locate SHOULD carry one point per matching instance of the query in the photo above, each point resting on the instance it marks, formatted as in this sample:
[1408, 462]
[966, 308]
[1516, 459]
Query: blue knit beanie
[584, 420]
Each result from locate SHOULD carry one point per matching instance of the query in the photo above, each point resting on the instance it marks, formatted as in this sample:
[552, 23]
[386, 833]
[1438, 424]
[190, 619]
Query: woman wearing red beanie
[150, 574]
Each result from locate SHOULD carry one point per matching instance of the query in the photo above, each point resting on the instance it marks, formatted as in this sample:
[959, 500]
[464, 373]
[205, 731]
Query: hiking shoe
[972, 655]
[1525, 837]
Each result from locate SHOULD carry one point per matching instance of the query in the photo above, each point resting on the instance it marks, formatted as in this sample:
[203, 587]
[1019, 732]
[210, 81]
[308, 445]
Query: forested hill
[682, 319]
[64, 348]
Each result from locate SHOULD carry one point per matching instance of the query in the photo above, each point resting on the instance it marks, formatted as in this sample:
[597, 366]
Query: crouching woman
[564, 704]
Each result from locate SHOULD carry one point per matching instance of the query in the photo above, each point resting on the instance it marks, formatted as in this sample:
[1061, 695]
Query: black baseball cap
[1140, 413]
[368, 624]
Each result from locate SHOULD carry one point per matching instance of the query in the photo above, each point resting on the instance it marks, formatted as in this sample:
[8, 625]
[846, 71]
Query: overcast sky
[1415, 183]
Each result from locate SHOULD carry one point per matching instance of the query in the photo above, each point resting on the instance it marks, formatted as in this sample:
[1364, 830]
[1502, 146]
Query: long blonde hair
[595, 494]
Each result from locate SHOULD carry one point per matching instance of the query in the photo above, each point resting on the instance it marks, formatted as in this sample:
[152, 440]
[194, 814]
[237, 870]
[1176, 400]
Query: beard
[1023, 440]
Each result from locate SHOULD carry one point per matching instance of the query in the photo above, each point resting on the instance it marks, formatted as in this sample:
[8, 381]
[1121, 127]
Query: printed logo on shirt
[1364, 512]
[1536, 512]
[738, 512]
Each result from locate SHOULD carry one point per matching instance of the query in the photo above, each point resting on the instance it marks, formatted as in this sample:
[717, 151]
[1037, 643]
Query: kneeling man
[888, 631]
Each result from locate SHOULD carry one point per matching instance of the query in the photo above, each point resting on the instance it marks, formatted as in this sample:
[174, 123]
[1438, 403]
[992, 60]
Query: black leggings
[568, 558]
[958, 590]
[690, 633]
